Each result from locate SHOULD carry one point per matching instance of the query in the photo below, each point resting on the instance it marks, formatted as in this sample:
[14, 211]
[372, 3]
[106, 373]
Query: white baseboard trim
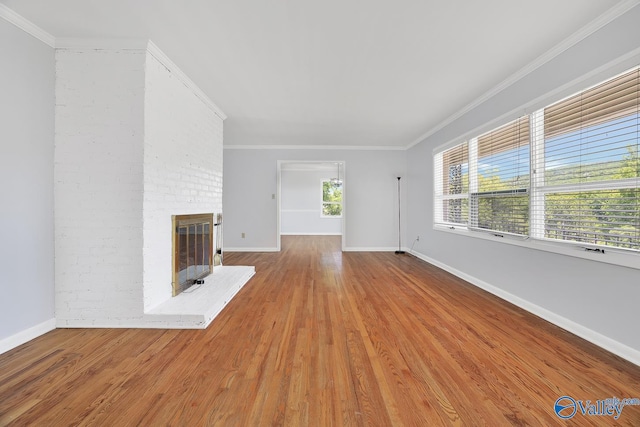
[346, 249]
[371, 249]
[250, 250]
[22, 337]
[310, 234]
[615, 347]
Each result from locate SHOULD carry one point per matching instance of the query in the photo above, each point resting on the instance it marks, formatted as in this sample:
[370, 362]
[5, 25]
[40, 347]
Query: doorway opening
[311, 198]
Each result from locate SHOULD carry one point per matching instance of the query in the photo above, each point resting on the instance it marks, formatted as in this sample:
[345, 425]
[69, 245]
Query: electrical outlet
[243, 235]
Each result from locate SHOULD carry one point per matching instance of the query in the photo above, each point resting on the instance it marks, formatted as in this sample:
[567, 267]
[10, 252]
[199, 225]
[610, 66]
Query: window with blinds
[500, 179]
[452, 185]
[569, 172]
[590, 167]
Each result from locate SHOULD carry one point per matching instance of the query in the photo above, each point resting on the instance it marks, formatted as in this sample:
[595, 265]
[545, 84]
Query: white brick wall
[182, 169]
[134, 145]
[98, 185]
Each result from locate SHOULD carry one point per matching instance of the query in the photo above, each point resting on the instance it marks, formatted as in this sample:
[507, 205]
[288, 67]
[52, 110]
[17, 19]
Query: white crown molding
[604, 19]
[315, 147]
[164, 60]
[27, 26]
[100, 43]
[107, 43]
[142, 45]
[619, 65]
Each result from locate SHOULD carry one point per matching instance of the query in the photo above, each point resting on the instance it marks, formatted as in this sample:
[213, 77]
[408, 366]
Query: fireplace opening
[193, 249]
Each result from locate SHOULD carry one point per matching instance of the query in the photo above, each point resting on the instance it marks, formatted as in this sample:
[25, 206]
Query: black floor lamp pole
[399, 251]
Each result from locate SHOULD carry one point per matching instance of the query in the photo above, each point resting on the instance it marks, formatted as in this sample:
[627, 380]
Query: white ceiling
[331, 72]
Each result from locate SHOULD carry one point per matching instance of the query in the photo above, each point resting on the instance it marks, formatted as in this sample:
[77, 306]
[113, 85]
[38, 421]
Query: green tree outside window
[331, 199]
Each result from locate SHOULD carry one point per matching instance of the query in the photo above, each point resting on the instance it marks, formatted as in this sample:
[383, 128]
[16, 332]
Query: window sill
[610, 256]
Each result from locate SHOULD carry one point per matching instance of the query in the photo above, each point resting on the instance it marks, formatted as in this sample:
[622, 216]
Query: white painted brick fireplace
[136, 142]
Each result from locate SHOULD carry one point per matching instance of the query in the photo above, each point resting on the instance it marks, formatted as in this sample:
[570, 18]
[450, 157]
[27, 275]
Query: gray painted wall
[370, 200]
[26, 174]
[600, 297]
[301, 207]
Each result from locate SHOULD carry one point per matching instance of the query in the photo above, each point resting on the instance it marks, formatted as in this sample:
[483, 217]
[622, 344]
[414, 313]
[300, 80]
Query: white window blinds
[568, 173]
[501, 201]
[451, 169]
[590, 168]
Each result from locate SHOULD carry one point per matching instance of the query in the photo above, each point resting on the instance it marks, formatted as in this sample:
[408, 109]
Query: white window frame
[536, 239]
[536, 199]
[322, 201]
[473, 182]
[540, 190]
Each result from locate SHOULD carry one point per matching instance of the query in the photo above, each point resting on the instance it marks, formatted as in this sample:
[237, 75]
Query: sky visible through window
[495, 164]
[582, 147]
[602, 143]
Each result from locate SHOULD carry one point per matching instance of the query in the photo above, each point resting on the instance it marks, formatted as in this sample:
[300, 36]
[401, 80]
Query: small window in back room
[331, 199]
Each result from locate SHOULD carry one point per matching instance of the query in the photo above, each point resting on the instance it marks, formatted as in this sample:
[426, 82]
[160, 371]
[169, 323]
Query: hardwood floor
[319, 337]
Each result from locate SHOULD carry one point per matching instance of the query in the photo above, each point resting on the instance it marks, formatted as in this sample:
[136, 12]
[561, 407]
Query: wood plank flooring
[321, 338]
